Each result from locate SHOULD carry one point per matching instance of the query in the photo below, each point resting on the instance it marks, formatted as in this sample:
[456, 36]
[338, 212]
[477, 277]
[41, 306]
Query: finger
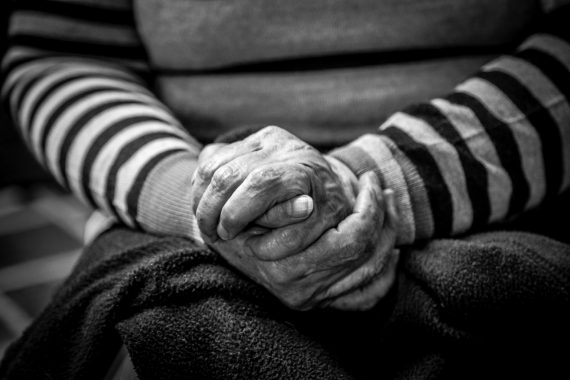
[370, 269]
[329, 259]
[263, 188]
[236, 255]
[368, 296]
[377, 262]
[223, 183]
[334, 255]
[380, 261]
[210, 162]
[353, 235]
[291, 240]
[285, 213]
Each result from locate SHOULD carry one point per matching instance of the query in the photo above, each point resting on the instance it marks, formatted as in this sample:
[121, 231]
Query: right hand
[351, 266]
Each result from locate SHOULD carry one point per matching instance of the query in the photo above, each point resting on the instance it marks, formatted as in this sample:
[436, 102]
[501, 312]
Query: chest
[206, 34]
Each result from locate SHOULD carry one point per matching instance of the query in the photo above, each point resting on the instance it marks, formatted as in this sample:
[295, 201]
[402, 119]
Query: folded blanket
[488, 306]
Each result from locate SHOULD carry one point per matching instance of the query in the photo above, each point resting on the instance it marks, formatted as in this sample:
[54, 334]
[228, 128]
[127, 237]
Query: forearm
[92, 122]
[496, 146]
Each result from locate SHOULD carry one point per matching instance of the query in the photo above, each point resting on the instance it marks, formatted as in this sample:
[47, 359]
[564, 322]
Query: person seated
[226, 246]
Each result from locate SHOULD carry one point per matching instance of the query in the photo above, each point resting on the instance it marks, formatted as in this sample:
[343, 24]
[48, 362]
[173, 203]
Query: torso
[379, 46]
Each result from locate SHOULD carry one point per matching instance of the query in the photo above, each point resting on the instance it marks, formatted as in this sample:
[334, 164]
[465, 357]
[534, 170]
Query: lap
[493, 300]
[486, 270]
[474, 296]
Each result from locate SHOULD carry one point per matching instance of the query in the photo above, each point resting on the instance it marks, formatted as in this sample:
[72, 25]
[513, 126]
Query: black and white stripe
[496, 146]
[73, 82]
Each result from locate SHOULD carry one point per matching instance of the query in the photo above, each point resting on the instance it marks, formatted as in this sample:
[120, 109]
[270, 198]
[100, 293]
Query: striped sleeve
[74, 81]
[498, 145]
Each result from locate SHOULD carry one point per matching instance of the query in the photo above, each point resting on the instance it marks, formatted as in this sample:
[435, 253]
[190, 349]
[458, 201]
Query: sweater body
[326, 70]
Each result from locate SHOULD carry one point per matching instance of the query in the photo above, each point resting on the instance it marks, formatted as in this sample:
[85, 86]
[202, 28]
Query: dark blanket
[491, 306]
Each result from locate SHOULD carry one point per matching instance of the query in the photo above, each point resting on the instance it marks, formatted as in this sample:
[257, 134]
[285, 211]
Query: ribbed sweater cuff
[164, 205]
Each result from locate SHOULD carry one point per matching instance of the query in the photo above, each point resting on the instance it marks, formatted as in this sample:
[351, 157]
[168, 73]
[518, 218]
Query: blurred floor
[40, 239]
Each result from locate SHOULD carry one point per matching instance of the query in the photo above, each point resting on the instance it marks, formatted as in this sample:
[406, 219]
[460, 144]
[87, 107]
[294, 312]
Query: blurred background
[41, 228]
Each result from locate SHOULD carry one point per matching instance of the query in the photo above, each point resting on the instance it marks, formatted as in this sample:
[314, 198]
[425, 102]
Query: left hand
[239, 183]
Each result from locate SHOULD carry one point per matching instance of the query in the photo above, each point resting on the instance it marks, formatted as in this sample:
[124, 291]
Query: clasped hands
[296, 221]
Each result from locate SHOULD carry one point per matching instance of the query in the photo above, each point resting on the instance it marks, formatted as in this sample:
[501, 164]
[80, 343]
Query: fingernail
[222, 233]
[302, 206]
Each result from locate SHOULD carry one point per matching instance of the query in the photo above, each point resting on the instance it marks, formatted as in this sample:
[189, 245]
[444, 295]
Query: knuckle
[253, 141]
[270, 130]
[269, 173]
[272, 135]
[263, 178]
[223, 177]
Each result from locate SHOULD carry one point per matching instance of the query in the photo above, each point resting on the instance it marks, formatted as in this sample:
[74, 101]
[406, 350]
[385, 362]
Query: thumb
[285, 213]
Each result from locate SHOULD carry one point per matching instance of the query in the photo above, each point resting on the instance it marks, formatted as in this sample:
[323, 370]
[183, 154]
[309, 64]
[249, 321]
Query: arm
[74, 85]
[496, 146]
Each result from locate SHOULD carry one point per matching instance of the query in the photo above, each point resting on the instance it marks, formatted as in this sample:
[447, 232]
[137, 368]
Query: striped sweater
[78, 84]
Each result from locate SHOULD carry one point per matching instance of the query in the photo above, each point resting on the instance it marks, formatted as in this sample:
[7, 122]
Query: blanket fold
[487, 306]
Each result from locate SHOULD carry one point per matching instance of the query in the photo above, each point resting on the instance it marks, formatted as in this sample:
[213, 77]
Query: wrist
[164, 205]
[374, 153]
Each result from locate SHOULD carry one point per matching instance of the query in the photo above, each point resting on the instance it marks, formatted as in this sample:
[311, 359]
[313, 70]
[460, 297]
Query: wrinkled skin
[296, 222]
[239, 182]
[351, 266]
